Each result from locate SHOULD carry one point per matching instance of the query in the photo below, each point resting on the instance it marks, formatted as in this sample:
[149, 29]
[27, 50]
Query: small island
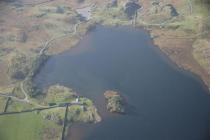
[115, 102]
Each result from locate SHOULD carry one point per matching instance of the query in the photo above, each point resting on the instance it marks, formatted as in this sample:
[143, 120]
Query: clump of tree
[22, 65]
[36, 63]
[31, 89]
[18, 66]
[60, 10]
[131, 8]
[22, 37]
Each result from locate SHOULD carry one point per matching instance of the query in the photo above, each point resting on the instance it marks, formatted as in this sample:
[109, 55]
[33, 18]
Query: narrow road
[12, 97]
[24, 92]
[46, 45]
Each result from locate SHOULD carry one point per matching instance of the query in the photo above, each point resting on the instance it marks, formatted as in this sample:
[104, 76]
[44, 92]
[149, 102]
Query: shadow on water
[164, 103]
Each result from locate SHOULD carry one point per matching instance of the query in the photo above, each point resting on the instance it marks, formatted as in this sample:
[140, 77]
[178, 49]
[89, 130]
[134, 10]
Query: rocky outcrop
[115, 102]
[85, 114]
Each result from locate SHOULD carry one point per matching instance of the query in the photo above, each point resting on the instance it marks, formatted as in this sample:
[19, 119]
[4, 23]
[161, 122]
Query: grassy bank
[27, 126]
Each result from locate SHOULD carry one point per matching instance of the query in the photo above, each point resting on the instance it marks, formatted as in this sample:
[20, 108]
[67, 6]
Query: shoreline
[157, 49]
[187, 63]
[196, 72]
[175, 65]
[180, 68]
[167, 57]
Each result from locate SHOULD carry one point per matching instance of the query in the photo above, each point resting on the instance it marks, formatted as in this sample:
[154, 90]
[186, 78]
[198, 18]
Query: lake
[163, 102]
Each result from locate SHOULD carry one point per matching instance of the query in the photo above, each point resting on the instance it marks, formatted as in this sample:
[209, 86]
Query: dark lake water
[164, 103]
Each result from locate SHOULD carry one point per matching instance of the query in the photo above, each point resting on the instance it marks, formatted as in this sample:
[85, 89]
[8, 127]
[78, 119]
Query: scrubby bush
[22, 37]
[60, 10]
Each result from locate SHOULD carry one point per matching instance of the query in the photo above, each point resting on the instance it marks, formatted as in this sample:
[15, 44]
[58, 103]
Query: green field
[26, 126]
